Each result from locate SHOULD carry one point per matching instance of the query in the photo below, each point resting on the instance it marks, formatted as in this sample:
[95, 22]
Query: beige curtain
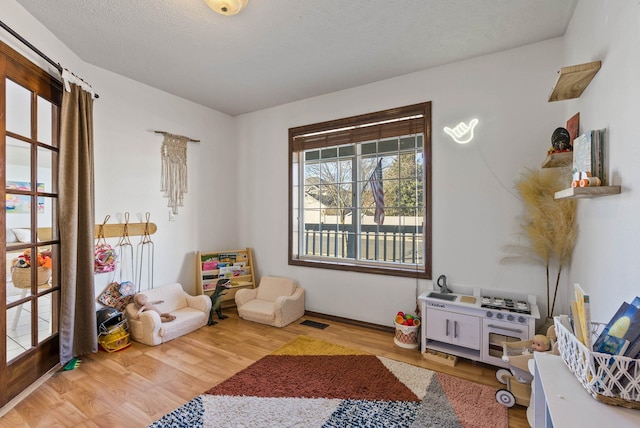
[78, 331]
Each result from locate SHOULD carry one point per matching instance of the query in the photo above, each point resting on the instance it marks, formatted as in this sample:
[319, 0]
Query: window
[360, 193]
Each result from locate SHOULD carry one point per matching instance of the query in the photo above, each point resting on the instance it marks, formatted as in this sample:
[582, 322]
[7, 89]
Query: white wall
[606, 260]
[128, 161]
[238, 173]
[127, 158]
[475, 207]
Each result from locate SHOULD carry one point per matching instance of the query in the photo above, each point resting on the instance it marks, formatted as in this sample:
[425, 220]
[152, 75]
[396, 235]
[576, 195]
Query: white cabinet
[453, 328]
[560, 400]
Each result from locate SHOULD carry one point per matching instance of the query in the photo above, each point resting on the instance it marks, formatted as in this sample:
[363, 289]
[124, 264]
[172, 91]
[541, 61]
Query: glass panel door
[30, 294]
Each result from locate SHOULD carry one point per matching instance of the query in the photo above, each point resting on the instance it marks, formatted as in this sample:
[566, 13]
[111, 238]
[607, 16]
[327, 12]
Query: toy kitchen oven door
[506, 320]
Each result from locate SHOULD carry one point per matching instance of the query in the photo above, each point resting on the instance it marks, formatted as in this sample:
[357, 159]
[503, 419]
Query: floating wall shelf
[587, 192]
[573, 80]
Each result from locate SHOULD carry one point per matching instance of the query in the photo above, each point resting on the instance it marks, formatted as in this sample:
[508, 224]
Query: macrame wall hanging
[174, 169]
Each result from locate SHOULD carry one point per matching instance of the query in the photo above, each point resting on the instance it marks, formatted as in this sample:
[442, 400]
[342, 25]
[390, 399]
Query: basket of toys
[407, 330]
[115, 340]
[611, 379]
[21, 269]
[21, 277]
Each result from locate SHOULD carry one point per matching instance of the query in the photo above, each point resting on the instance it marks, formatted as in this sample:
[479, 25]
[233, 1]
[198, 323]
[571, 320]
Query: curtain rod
[35, 49]
[175, 135]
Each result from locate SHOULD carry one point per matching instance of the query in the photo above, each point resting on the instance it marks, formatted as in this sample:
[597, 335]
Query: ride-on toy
[518, 378]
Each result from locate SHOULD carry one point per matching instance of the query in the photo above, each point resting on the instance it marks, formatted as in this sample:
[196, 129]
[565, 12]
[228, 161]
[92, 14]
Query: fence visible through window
[395, 245]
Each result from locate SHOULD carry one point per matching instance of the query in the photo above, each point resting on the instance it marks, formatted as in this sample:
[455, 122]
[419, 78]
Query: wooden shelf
[587, 192]
[558, 160]
[573, 80]
[207, 277]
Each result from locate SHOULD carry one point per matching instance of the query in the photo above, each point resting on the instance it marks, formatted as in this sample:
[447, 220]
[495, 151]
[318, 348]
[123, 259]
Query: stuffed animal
[216, 300]
[142, 304]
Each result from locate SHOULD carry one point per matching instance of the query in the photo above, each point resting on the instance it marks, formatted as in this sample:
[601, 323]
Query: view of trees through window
[336, 217]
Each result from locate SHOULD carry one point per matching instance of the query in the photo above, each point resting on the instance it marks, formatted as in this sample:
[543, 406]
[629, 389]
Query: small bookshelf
[235, 265]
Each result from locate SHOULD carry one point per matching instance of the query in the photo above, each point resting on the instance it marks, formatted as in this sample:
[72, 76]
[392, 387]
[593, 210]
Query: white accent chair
[191, 312]
[276, 302]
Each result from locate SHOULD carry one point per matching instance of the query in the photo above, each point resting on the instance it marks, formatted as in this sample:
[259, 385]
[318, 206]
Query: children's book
[621, 336]
[602, 163]
[583, 309]
[229, 258]
[611, 340]
[613, 345]
[575, 322]
[633, 335]
[582, 154]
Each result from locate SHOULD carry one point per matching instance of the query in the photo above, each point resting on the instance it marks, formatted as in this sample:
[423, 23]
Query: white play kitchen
[473, 324]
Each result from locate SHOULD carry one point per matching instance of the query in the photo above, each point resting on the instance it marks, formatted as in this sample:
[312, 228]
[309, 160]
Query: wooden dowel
[175, 135]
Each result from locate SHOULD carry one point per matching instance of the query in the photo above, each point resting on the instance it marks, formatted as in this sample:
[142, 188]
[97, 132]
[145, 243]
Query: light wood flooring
[138, 385]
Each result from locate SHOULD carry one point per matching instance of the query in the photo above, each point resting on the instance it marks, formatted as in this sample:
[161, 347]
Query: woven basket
[406, 336]
[612, 379]
[21, 277]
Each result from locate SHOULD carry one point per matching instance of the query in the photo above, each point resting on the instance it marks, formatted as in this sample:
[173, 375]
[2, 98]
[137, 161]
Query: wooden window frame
[356, 129]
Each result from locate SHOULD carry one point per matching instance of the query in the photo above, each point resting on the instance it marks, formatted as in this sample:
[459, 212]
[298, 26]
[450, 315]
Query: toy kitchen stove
[506, 319]
[477, 330]
[505, 304]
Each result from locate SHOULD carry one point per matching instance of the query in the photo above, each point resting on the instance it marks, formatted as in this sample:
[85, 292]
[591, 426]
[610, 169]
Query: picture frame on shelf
[573, 127]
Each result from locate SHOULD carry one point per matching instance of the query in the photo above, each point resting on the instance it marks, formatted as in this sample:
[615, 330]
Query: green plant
[548, 225]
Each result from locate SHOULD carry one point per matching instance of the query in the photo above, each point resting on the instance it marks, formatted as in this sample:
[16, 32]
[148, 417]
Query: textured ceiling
[279, 51]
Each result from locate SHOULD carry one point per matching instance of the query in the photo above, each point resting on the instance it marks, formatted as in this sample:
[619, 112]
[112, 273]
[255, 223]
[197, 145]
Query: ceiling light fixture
[226, 7]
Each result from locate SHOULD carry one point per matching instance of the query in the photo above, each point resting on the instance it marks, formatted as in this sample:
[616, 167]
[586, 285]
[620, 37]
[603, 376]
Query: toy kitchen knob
[510, 317]
[499, 316]
[489, 314]
[521, 319]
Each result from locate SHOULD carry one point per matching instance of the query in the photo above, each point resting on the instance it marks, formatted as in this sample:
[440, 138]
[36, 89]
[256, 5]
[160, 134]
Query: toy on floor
[142, 304]
[73, 364]
[518, 378]
[216, 300]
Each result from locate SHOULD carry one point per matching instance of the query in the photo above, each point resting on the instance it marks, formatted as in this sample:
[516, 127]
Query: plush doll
[540, 343]
[142, 304]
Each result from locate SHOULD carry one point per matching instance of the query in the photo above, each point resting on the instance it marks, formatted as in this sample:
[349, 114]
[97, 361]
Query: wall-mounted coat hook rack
[117, 230]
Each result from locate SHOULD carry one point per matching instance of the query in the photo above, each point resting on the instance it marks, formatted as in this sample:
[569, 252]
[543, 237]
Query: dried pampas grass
[548, 224]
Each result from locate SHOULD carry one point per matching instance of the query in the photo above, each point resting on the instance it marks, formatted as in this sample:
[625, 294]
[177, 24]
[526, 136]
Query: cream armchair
[276, 302]
[191, 312]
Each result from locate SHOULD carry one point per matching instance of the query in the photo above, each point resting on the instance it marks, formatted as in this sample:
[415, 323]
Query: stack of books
[620, 336]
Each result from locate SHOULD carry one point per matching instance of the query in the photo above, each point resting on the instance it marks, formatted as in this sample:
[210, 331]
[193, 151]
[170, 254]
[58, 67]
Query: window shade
[392, 123]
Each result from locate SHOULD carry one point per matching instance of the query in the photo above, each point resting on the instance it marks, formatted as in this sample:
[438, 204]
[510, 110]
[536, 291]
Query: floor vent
[314, 324]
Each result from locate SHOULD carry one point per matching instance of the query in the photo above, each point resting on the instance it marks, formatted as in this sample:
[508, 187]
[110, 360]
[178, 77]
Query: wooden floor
[136, 386]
